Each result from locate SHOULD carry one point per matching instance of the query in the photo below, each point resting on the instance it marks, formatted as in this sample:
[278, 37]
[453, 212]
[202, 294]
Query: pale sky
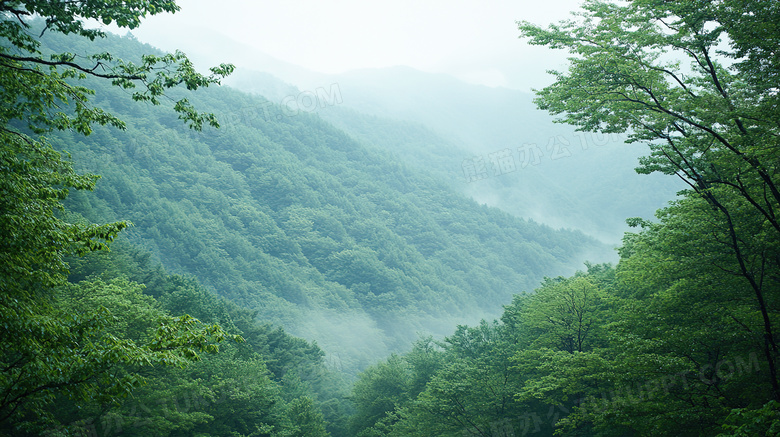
[476, 41]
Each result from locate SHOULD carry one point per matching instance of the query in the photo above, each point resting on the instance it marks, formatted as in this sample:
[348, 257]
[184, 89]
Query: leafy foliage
[680, 337]
[63, 341]
[34, 85]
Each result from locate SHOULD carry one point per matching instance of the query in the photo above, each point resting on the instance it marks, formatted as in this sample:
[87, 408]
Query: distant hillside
[491, 144]
[291, 217]
[566, 179]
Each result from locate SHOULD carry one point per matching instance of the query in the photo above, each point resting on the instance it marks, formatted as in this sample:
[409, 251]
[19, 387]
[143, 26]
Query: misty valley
[264, 250]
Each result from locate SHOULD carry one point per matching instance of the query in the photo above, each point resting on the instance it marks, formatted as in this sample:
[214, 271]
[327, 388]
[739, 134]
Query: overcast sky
[476, 41]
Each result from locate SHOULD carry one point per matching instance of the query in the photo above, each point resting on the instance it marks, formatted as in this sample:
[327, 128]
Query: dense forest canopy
[223, 241]
[491, 144]
[293, 218]
[60, 340]
[680, 338]
[111, 343]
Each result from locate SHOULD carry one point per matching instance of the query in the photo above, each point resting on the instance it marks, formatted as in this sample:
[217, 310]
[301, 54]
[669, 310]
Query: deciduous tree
[697, 82]
[46, 352]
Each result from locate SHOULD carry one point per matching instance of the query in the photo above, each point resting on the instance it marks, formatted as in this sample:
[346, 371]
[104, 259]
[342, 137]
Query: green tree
[688, 313]
[468, 388]
[379, 390]
[46, 352]
[272, 383]
[565, 314]
[696, 80]
[386, 389]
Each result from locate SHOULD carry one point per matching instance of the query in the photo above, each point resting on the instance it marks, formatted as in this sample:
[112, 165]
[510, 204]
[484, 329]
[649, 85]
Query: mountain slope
[491, 144]
[291, 217]
[563, 178]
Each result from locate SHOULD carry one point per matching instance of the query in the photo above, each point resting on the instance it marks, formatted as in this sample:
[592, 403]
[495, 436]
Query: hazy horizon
[434, 37]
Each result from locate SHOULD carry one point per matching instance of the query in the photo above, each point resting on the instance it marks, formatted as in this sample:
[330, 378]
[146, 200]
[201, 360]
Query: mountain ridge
[289, 216]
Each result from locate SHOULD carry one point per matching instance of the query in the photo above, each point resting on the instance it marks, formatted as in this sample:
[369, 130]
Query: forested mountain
[224, 242]
[287, 215]
[563, 178]
[490, 143]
